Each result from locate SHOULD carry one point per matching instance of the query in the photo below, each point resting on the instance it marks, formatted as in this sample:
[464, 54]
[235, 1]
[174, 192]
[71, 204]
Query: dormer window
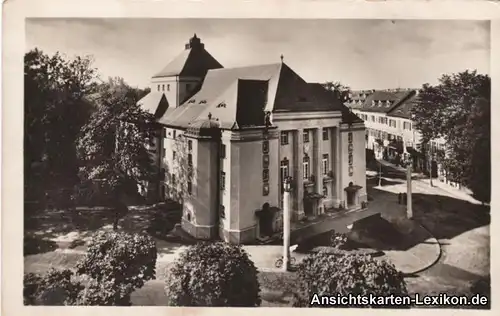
[192, 101]
[221, 105]
[203, 102]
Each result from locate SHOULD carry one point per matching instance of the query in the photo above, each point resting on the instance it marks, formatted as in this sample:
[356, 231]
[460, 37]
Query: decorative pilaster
[299, 173]
[318, 152]
[339, 193]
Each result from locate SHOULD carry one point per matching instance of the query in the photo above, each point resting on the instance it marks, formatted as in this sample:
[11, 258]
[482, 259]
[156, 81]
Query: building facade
[390, 130]
[229, 137]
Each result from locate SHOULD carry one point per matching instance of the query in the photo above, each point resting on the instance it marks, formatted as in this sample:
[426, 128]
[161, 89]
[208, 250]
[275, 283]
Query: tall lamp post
[409, 210]
[286, 223]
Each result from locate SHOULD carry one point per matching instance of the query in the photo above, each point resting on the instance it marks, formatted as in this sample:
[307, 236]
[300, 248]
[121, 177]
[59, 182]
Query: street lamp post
[379, 174]
[409, 210]
[286, 224]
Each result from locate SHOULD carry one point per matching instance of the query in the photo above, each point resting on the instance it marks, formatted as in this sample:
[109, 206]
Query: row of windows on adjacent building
[285, 167]
[161, 87]
[384, 120]
[305, 136]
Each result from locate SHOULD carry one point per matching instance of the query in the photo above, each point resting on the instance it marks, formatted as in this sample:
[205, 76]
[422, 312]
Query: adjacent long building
[230, 136]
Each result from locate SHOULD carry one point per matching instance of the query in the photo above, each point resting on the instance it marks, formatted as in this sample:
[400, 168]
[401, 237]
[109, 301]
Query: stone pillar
[318, 151]
[286, 225]
[299, 174]
[339, 191]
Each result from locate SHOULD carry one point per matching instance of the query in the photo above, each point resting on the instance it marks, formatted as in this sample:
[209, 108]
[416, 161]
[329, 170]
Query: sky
[362, 54]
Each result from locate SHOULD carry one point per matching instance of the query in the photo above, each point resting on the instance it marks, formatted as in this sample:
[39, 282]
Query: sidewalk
[448, 189]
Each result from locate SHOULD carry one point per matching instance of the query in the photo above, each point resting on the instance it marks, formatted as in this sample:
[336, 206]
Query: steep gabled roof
[192, 62]
[155, 103]
[403, 109]
[219, 94]
[385, 101]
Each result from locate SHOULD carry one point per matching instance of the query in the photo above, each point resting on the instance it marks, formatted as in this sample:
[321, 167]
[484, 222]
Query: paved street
[461, 225]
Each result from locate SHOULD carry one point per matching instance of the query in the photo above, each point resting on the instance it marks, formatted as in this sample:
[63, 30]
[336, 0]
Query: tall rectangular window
[168, 87]
[162, 87]
[325, 134]
[175, 134]
[189, 187]
[174, 155]
[190, 160]
[325, 164]
[173, 179]
[284, 138]
[306, 136]
[305, 167]
[265, 175]
[190, 144]
[158, 87]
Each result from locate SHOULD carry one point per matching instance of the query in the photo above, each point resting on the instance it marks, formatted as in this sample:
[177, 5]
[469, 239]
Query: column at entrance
[337, 166]
[318, 151]
[298, 202]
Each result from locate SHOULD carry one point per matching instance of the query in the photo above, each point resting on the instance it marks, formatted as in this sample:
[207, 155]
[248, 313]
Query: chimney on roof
[195, 43]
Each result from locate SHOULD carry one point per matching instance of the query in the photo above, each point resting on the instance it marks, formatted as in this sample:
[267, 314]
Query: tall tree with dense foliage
[56, 107]
[113, 146]
[341, 91]
[458, 109]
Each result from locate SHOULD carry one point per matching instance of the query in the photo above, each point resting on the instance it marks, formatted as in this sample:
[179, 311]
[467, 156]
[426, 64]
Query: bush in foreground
[56, 287]
[118, 263]
[344, 273]
[213, 274]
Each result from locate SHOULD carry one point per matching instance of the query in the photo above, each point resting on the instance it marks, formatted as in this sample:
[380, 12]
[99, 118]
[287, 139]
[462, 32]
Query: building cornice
[296, 116]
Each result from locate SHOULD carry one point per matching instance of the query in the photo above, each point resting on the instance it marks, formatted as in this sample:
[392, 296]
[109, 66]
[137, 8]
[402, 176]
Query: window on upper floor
[174, 155]
[373, 118]
[325, 133]
[175, 134]
[284, 138]
[158, 87]
[162, 87]
[325, 164]
[168, 87]
[305, 134]
[189, 187]
[190, 160]
[190, 144]
[305, 167]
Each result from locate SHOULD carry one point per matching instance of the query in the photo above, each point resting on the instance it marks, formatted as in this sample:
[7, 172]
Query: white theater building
[230, 136]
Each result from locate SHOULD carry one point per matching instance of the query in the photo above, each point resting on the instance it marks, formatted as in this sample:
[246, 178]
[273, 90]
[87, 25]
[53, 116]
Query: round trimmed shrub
[118, 263]
[213, 274]
[56, 288]
[338, 240]
[344, 273]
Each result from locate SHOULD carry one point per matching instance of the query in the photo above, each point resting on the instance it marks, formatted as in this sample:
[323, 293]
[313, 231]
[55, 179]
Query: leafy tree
[117, 263]
[56, 287]
[341, 91]
[113, 145]
[344, 273]
[56, 108]
[213, 274]
[458, 109]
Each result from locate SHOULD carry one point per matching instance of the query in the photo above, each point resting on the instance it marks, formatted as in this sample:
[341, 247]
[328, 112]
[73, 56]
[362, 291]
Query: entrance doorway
[351, 194]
